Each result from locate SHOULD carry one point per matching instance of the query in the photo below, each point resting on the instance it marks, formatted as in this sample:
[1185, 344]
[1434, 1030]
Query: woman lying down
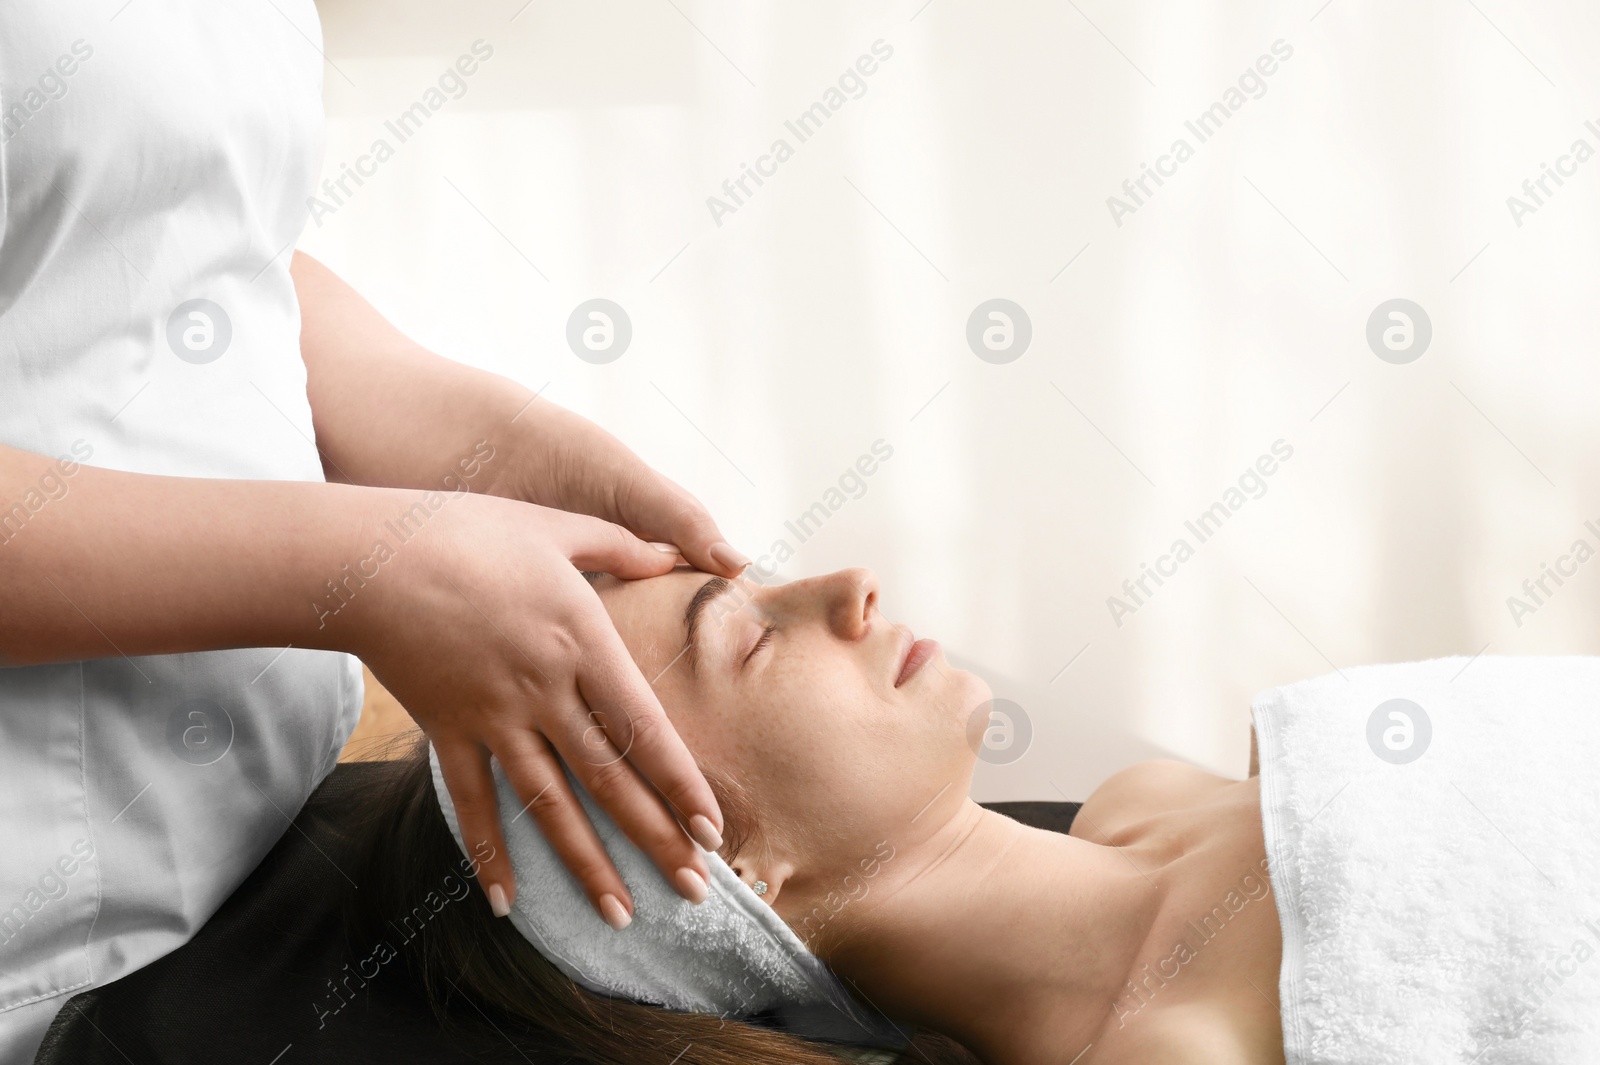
[1413, 878]
[1393, 887]
[841, 755]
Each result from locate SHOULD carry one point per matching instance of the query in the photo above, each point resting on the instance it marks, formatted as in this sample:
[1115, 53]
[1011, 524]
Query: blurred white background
[1229, 311]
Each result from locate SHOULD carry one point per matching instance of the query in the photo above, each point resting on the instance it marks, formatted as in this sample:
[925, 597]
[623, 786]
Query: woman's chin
[974, 689]
[966, 698]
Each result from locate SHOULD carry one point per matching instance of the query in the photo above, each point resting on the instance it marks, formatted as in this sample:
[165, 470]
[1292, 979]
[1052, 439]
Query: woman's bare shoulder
[1143, 790]
[1197, 1033]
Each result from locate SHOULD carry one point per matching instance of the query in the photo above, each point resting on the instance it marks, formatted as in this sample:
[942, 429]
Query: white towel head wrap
[731, 955]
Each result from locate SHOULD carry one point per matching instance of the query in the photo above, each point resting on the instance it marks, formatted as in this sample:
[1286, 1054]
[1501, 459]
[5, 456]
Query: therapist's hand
[563, 460]
[485, 630]
[389, 412]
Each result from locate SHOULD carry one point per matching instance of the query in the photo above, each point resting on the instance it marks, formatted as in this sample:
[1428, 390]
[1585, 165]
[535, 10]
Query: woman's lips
[918, 655]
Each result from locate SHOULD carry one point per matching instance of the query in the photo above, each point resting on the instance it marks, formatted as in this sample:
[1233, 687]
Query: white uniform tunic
[152, 153]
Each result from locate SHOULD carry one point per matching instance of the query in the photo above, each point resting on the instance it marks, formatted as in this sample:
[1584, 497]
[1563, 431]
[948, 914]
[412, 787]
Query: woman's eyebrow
[695, 611]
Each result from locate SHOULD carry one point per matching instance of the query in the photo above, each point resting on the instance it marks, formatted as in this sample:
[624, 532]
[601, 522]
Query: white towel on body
[1437, 871]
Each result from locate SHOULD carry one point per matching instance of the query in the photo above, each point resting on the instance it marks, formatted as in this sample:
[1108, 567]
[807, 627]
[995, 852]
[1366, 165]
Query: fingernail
[665, 549]
[497, 900]
[614, 913]
[705, 833]
[691, 885]
[728, 557]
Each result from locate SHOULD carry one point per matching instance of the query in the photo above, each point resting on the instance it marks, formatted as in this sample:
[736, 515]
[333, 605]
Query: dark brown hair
[405, 850]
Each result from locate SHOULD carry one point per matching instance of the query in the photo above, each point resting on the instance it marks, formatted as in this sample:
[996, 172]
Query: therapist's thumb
[601, 547]
[664, 510]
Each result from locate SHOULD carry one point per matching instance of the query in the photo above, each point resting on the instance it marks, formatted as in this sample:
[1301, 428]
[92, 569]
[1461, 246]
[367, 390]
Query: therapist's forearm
[97, 562]
[389, 412]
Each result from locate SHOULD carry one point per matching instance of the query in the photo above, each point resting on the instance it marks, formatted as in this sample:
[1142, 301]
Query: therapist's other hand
[568, 462]
[484, 628]
[389, 412]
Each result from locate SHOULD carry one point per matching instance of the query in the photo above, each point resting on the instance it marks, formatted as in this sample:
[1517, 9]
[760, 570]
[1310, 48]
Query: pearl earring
[759, 887]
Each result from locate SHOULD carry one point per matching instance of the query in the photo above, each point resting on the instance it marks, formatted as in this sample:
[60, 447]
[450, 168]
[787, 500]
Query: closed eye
[761, 641]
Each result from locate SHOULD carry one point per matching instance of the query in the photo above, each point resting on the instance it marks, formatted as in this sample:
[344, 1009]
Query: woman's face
[799, 694]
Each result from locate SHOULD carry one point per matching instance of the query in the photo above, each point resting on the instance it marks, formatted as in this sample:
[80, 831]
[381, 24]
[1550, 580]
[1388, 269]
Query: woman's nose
[852, 597]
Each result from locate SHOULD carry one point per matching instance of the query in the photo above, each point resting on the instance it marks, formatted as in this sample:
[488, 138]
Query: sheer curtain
[964, 153]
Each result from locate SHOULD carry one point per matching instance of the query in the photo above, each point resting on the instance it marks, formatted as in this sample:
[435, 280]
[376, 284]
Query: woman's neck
[1002, 936]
